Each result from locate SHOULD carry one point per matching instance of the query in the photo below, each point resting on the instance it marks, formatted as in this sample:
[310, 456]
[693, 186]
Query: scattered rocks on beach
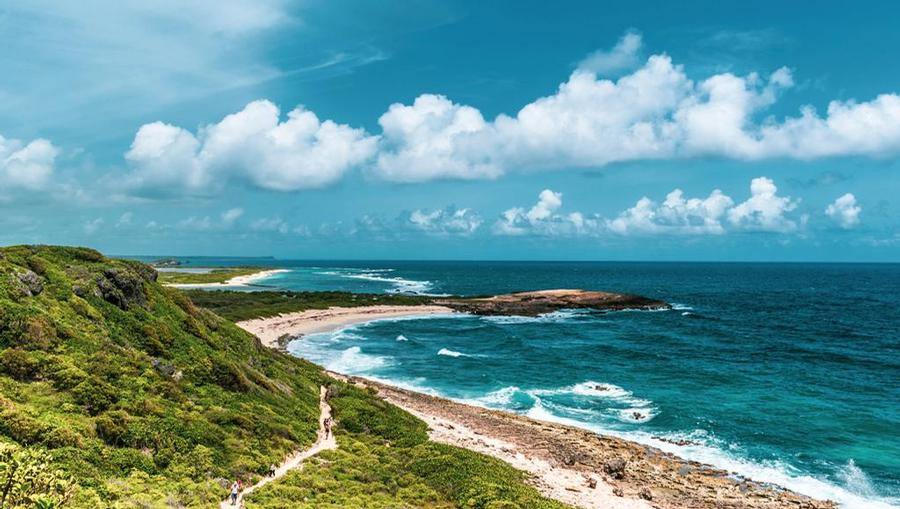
[548, 301]
[627, 471]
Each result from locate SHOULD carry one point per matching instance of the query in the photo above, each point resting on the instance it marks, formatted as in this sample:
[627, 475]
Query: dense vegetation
[217, 275]
[116, 391]
[137, 395]
[385, 461]
[239, 306]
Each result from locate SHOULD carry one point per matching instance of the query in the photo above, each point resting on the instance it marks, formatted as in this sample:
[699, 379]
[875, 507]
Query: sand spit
[276, 331]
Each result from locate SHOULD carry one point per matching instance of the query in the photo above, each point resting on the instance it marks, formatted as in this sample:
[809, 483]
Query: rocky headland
[547, 301]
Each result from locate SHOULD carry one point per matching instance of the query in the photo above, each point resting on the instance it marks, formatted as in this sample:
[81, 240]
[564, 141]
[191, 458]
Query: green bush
[112, 427]
[29, 480]
[95, 395]
[22, 365]
[358, 411]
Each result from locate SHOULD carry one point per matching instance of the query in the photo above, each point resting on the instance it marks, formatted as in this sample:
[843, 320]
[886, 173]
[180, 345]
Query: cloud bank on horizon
[654, 112]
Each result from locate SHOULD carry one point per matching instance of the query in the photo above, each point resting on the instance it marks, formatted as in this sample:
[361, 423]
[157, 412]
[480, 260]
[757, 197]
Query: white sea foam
[593, 389]
[640, 414]
[501, 398]
[681, 307]
[401, 337]
[353, 360]
[416, 385]
[856, 493]
[563, 315]
[451, 353]
[400, 285]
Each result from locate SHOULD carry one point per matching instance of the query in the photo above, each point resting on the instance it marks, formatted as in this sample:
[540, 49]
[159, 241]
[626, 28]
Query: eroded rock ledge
[547, 301]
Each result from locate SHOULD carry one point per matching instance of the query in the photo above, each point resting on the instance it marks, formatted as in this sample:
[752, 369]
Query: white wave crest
[353, 360]
[588, 388]
[452, 353]
[639, 414]
[563, 315]
[401, 337]
[501, 398]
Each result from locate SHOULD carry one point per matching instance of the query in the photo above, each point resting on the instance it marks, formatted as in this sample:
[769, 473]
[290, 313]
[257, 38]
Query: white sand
[565, 485]
[246, 280]
[268, 330]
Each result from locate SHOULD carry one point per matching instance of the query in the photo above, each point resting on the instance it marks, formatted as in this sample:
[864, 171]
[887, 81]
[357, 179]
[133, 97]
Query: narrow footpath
[294, 460]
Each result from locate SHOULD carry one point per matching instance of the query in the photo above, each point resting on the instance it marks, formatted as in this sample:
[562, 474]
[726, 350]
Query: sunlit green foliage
[28, 479]
[385, 461]
[217, 275]
[118, 392]
[239, 306]
[133, 389]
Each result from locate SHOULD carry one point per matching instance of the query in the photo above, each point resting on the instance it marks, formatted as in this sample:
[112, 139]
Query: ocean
[784, 373]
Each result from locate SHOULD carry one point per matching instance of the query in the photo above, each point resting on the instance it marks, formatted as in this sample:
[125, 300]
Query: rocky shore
[597, 463]
[548, 301]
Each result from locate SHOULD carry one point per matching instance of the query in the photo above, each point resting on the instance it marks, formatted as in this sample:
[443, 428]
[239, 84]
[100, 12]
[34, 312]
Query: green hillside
[139, 394]
[118, 392]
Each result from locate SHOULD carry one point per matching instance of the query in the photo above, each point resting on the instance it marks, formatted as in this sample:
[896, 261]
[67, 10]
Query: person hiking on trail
[272, 470]
[327, 424]
[235, 487]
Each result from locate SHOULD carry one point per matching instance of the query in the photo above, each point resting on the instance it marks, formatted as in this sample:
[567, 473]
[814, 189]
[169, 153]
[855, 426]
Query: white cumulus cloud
[252, 145]
[447, 221]
[765, 210]
[715, 214]
[26, 165]
[674, 215]
[844, 211]
[624, 55]
[433, 138]
[654, 112]
[543, 218]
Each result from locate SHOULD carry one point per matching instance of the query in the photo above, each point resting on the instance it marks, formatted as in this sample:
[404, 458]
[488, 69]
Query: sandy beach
[245, 280]
[567, 463]
[270, 330]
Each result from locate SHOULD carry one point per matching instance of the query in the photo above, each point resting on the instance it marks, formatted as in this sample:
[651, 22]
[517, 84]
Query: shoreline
[568, 463]
[277, 331]
[584, 468]
[245, 280]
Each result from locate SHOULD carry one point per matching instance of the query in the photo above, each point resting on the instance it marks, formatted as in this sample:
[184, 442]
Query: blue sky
[470, 130]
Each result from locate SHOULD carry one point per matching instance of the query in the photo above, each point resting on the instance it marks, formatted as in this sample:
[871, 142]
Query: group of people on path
[235, 489]
[327, 423]
[238, 485]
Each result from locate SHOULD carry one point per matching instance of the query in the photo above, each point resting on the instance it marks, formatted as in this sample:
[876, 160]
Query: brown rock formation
[547, 301]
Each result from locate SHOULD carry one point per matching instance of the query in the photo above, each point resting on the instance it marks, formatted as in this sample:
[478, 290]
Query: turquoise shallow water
[787, 373]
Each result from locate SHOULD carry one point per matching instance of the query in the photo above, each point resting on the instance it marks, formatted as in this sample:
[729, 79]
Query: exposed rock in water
[548, 301]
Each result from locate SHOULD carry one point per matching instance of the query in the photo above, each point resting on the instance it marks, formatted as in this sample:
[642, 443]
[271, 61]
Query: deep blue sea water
[787, 373]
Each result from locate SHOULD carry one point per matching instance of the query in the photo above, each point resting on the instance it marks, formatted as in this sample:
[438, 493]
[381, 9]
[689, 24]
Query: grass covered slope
[138, 395]
[116, 391]
[385, 461]
[238, 306]
[217, 275]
